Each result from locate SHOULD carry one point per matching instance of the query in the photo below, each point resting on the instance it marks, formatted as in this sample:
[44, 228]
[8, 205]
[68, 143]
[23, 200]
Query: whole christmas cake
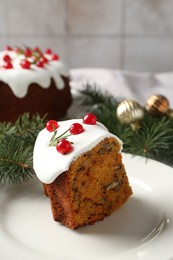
[80, 165]
[33, 81]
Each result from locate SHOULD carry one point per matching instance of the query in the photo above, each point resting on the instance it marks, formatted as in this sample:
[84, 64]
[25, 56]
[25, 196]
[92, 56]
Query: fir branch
[28, 128]
[15, 160]
[154, 137]
[5, 128]
[16, 148]
[93, 96]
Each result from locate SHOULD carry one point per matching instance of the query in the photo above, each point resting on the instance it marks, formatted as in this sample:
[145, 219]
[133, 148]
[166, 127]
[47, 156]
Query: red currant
[40, 64]
[48, 51]
[52, 125]
[7, 58]
[76, 129]
[90, 119]
[8, 48]
[64, 146]
[44, 60]
[37, 49]
[55, 57]
[28, 52]
[8, 65]
[25, 64]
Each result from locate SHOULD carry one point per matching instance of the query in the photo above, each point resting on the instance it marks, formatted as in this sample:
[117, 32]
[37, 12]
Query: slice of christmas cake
[80, 164]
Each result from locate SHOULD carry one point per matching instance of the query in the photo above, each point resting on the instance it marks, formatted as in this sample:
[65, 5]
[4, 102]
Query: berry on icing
[44, 60]
[48, 51]
[55, 57]
[7, 65]
[37, 49]
[6, 58]
[64, 146]
[25, 64]
[76, 129]
[90, 119]
[8, 48]
[40, 64]
[28, 52]
[52, 125]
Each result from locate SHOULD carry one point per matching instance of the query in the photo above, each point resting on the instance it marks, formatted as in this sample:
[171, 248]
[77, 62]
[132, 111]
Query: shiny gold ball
[157, 105]
[129, 111]
[169, 113]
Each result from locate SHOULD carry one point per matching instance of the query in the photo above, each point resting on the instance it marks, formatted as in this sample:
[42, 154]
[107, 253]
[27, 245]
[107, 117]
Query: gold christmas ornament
[129, 111]
[169, 113]
[157, 105]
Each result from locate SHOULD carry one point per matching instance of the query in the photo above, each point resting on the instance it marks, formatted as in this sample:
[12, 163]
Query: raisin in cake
[33, 81]
[80, 166]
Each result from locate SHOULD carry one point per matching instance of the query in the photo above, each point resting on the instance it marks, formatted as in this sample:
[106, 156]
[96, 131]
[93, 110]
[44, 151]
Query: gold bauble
[169, 113]
[157, 105]
[129, 111]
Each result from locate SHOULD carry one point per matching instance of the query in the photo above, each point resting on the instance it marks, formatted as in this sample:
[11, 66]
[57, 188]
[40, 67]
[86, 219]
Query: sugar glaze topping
[49, 164]
[19, 79]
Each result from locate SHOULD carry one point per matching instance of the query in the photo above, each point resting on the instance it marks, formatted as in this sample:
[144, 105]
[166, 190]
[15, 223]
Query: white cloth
[124, 84]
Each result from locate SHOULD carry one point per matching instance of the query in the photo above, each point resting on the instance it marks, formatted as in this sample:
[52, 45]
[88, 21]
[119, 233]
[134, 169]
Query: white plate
[141, 229]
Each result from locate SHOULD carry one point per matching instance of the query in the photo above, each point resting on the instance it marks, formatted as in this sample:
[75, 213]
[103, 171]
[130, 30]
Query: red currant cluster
[63, 146]
[35, 55]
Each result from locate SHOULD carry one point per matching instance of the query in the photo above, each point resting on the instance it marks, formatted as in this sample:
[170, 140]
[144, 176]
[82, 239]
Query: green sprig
[54, 140]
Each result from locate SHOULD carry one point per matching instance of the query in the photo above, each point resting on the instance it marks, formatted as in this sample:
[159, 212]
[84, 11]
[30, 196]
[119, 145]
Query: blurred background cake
[33, 81]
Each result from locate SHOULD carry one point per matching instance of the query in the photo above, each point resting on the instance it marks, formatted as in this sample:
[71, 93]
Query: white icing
[48, 163]
[19, 79]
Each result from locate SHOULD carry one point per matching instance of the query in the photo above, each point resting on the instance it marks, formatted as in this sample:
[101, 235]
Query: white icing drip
[19, 79]
[48, 163]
